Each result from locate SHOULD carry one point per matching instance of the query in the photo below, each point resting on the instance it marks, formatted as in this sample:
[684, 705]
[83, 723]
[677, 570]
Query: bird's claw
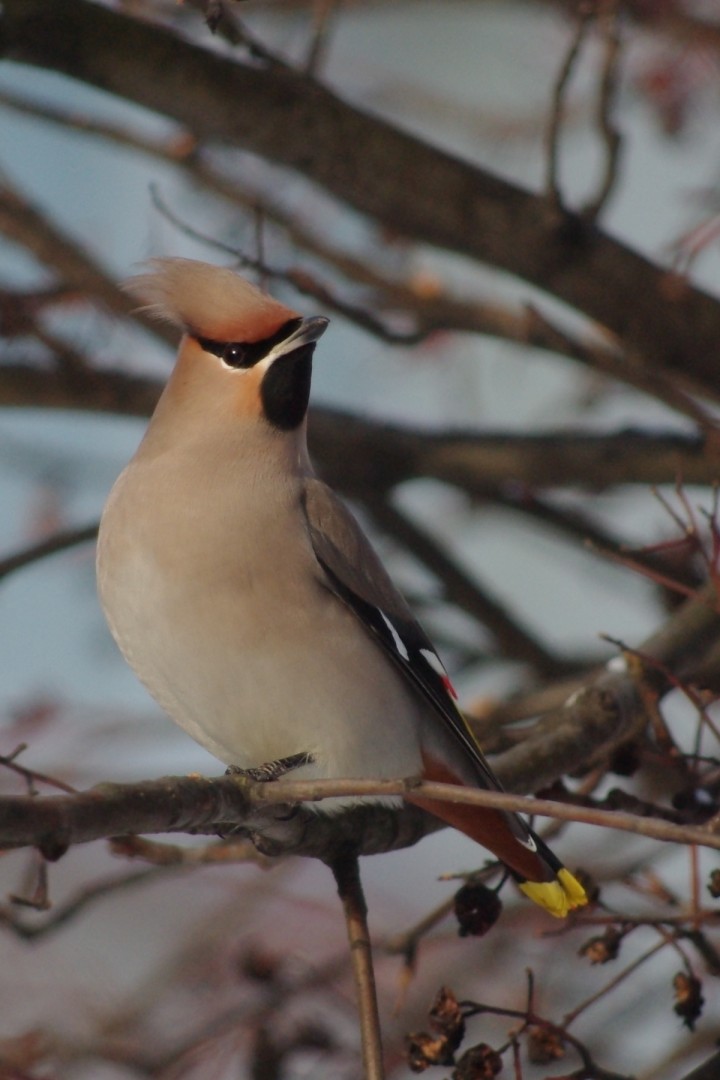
[271, 770]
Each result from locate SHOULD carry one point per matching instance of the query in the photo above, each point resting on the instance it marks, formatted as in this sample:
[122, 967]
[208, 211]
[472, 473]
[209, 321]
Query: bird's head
[244, 355]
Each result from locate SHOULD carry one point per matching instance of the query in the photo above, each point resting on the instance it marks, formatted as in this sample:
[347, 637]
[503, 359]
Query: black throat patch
[285, 390]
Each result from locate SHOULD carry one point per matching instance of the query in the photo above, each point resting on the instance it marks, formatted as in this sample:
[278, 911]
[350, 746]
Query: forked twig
[554, 190]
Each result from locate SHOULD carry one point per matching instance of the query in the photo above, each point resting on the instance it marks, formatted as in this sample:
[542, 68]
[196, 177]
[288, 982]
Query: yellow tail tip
[557, 897]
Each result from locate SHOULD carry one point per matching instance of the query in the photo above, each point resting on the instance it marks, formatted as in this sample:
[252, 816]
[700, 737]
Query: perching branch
[604, 714]
[199, 805]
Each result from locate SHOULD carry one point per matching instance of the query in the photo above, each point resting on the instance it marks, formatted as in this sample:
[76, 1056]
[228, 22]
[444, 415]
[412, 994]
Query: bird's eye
[235, 355]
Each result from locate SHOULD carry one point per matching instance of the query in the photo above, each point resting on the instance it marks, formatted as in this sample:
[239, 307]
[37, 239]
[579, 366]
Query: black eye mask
[241, 354]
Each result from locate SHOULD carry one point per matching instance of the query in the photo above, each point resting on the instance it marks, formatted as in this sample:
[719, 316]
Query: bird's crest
[207, 301]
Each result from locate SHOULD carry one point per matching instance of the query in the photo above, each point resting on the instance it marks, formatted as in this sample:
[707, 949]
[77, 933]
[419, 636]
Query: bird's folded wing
[354, 573]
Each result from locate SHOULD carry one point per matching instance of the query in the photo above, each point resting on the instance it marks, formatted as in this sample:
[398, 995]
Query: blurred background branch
[516, 234]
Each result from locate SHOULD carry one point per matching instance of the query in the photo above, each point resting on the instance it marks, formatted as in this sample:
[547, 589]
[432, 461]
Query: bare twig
[553, 187]
[59, 541]
[590, 1070]
[578, 526]
[570, 1017]
[201, 805]
[183, 150]
[223, 21]
[610, 135]
[619, 363]
[76, 905]
[323, 12]
[176, 149]
[162, 854]
[405, 944]
[641, 826]
[31, 776]
[346, 871]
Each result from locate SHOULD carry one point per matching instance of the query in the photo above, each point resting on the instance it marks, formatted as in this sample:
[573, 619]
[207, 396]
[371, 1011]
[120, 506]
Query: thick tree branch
[364, 456]
[265, 812]
[197, 805]
[440, 310]
[292, 120]
[379, 455]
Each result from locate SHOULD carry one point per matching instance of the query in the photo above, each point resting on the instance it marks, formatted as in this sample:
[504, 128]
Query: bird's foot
[271, 770]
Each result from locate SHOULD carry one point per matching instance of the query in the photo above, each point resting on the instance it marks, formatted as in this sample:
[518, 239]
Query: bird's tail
[537, 870]
[562, 893]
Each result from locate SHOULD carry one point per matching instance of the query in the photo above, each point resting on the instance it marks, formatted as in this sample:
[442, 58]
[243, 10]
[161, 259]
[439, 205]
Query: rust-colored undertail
[540, 875]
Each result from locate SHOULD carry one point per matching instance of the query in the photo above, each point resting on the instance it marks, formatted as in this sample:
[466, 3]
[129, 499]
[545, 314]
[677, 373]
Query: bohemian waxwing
[245, 595]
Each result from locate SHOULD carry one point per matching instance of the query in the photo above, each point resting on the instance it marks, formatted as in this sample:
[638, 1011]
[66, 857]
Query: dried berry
[603, 948]
[480, 1062]
[714, 884]
[688, 998]
[446, 1016]
[477, 908]
[544, 1044]
[424, 1050]
[448, 1023]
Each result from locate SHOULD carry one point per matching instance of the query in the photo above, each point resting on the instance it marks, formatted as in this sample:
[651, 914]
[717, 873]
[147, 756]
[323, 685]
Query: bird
[248, 600]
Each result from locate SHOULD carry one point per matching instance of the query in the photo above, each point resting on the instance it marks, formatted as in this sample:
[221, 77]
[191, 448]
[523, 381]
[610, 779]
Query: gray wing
[354, 573]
